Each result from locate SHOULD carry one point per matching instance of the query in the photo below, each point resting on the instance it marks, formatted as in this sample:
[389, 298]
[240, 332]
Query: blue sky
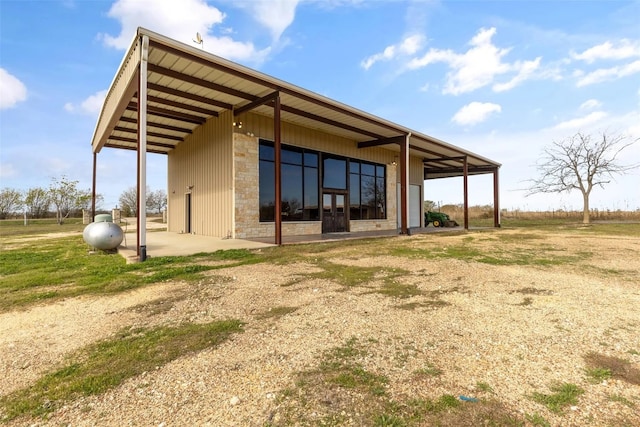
[503, 79]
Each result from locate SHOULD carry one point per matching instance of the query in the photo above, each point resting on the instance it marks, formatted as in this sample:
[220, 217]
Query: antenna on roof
[199, 40]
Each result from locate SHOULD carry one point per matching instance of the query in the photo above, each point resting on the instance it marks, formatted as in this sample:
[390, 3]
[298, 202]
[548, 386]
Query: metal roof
[187, 85]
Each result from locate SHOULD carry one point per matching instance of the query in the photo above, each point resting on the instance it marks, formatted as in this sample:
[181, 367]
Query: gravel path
[517, 329]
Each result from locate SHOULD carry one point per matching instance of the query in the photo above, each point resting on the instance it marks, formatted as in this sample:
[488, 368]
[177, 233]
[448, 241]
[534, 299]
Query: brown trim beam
[404, 185]
[401, 139]
[326, 121]
[473, 170]
[188, 95]
[277, 164]
[496, 199]
[200, 82]
[258, 102]
[183, 106]
[446, 159]
[154, 134]
[126, 147]
[465, 187]
[135, 141]
[169, 114]
[157, 125]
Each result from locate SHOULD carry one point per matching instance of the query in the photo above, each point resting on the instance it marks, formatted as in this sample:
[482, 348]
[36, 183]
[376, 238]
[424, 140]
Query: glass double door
[334, 219]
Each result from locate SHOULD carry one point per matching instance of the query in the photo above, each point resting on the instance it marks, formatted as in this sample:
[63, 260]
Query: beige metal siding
[262, 127]
[205, 162]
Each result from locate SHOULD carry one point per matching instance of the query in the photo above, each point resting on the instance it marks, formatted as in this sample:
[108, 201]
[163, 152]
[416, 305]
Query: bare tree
[129, 201]
[37, 202]
[581, 162]
[66, 197]
[10, 202]
[429, 205]
[156, 200]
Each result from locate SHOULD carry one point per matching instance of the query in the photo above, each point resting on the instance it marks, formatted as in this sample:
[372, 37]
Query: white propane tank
[103, 235]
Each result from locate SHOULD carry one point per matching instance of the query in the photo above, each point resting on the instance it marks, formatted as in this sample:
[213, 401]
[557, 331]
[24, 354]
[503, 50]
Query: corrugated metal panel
[262, 127]
[204, 162]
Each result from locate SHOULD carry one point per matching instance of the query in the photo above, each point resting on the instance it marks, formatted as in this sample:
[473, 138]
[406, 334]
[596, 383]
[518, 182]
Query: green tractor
[439, 219]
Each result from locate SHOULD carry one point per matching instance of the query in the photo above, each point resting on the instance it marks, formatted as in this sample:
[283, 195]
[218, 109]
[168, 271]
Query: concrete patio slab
[164, 243]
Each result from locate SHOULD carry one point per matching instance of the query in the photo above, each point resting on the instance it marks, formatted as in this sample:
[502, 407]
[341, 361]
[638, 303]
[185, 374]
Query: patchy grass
[563, 395]
[53, 269]
[615, 367]
[428, 371]
[537, 420]
[351, 276]
[512, 255]
[621, 399]
[106, 364]
[399, 290]
[484, 387]
[597, 375]
[342, 391]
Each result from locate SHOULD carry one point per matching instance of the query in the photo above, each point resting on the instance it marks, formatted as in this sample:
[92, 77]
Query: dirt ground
[516, 329]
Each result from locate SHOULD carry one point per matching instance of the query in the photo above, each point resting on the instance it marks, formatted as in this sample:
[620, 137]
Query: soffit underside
[183, 94]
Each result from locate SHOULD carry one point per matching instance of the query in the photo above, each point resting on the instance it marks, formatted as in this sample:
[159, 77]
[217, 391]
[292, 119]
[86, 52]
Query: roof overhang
[187, 86]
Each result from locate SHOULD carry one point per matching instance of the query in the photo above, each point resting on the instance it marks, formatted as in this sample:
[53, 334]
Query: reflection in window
[367, 191]
[334, 173]
[301, 182]
[299, 173]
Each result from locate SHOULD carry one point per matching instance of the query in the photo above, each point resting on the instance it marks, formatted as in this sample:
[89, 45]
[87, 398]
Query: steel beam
[278, 179]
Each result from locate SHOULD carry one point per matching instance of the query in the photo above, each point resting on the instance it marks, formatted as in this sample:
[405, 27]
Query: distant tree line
[63, 199]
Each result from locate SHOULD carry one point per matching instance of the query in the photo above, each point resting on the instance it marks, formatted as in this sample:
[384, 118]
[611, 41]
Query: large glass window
[334, 173]
[299, 174]
[366, 184]
[367, 191]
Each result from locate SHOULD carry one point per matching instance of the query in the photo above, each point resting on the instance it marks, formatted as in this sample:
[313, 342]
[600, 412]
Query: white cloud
[7, 170]
[409, 46]
[590, 104]
[581, 122]
[607, 74]
[275, 15]
[526, 70]
[12, 90]
[91, 105]
[180, 21]
[475, 112]
[623, 50]
[477, 67]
